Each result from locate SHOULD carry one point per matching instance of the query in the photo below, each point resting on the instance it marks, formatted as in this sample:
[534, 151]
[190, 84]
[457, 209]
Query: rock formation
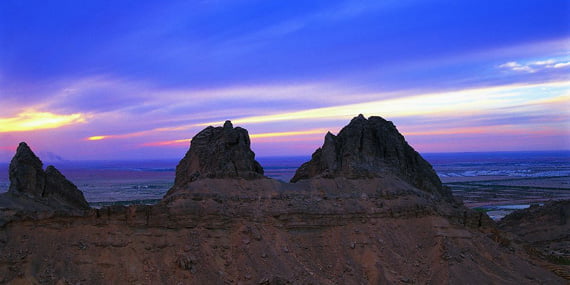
[360, 214]
[29, 181]
[368, 148]
[27, 176]
[63, 191]
[218, 152]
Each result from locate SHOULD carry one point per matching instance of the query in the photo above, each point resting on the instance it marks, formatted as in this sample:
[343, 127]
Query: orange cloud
[96, 138]
[32, 121]
[121, 136]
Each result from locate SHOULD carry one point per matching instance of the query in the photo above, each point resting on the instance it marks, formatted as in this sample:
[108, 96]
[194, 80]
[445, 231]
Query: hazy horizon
[301, 156]
[91, 80]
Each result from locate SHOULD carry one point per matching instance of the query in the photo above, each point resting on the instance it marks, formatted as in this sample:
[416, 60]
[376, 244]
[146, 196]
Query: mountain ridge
[224, 222]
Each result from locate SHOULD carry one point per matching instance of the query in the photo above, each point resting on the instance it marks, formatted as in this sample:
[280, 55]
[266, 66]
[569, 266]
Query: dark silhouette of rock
[60, 189]
[218, 152]
[28, 180]
[368, 148]
[27, 176]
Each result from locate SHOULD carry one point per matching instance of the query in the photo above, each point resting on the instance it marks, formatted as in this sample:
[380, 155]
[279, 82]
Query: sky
[85, 80]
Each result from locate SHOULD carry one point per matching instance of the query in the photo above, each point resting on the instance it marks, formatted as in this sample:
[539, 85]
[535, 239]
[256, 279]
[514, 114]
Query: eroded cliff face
[368, 148]
[224, 222]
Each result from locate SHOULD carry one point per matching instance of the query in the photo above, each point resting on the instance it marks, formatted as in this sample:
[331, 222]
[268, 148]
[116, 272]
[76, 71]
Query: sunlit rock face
[368, 148]
[218, 152]
[28, 180]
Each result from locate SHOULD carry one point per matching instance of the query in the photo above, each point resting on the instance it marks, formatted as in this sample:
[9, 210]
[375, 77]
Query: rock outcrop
[368, 220]
[218, 152]
[368, 148]
[50, 188]
[27, 176]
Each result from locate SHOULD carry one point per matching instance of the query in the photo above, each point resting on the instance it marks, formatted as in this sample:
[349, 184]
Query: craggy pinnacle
[368, 148]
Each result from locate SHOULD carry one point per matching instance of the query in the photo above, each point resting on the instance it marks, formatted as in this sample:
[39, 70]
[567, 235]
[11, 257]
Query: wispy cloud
[515, 66]
[536, 66]
[562, 64]
[469, 101]
[441, 113]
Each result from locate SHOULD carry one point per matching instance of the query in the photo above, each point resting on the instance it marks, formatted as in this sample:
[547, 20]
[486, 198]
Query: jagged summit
[28, 180]
[368, 148]
[218, 152]
[26, 172]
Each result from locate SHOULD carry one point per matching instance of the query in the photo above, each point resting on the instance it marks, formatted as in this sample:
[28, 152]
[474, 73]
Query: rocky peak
[218, 152]
[368, 148]
[26, 172]
[59, 189]
[29, 180]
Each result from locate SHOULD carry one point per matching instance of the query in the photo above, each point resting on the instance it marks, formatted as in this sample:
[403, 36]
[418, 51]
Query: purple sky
[137, 79]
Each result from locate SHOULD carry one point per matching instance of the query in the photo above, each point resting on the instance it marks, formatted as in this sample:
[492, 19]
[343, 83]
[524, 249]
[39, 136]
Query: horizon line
[292, 156]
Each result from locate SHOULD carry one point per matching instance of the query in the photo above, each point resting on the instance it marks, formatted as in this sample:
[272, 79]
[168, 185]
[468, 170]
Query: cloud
[513, 65]
[508, 109]
[468, 101]
[32, 121]
[544, 62]
[535, 66]
[562, 64]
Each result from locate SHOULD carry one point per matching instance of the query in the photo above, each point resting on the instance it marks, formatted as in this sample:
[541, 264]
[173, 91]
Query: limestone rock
[29, 181]
[368, 148]
[218, 152]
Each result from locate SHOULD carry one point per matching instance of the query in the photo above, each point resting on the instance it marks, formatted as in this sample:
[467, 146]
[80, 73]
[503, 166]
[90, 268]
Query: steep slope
[546, 232]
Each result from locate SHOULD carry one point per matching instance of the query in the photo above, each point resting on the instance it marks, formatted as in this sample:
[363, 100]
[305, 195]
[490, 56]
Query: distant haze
[92, 80]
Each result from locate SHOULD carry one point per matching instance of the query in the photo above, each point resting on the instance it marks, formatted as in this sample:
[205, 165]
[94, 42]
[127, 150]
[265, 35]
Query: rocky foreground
[367, 209]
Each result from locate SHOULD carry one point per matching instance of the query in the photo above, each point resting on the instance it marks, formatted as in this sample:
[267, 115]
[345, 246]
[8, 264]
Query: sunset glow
[469, 101]
[32, 121]
[96, 138]
[137, 82]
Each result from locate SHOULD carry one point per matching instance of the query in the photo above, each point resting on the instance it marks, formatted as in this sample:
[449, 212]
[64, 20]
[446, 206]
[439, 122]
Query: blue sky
[142, 77]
